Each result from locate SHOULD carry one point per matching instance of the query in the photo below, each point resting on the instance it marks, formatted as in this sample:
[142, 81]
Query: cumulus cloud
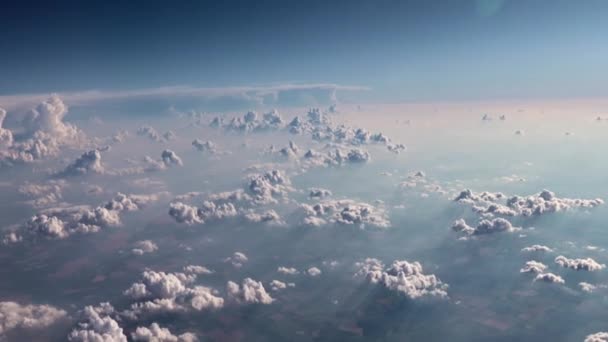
[265, 188]
[152, 134]
[143, 247]
[269, 217]
[98, 324]
[59, 223]
[484, 226]
[44, 134]
[15, 316]
[533, 266]
[205, 146]
[250, 122]
[537, 248]
[168, 292]
[170, 158]
[249, 292]
[320, 127]
[287, 270]
[544, 202]
[277, 285]
[586, 287]
[6, 136]
[586, 264]
[549, 278]
[597, 337]
[237, 259]
[88, 162]
[404, 277]
[313, 272]
[197, 269]
[318, 193]
[44, 194]
[346, 212]
[156, 333]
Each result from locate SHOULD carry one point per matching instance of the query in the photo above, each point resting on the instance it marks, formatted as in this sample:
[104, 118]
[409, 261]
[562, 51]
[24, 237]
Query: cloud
[89, 162]
[313, 272]
[597, 337]
[586, 264]
[249, 292]
[533, 267]
[586, 287]
[269, 217]
[277, 285]
[45, 194]
[15, 316]
[143, 247]
[537, 248]
[484, 227]
[287, 270]
[168, 292]
[197, 269]
[549, 278]
[170, 158]
[152, 134]
[6, 136]
[43, 134]
[60, 223]
[404, 277]
[265, 188]
[318, 193]
[237, 259]
[157, 334]
[346, 212]
[98, 325]
[250, 122]
[487, 203]
[205, 146]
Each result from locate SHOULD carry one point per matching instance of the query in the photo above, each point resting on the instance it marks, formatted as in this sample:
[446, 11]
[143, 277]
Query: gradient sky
[403, 50]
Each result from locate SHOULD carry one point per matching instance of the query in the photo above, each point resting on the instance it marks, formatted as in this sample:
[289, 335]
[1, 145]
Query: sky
[303, 171]
[401, 50]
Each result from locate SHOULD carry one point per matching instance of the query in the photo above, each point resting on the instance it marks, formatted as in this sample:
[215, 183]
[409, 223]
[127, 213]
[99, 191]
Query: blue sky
[403, 50]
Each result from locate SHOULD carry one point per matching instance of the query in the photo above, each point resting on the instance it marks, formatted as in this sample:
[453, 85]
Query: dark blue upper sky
[403, 50]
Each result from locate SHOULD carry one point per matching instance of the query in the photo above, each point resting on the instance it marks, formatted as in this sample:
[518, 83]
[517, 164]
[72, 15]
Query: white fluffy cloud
[533, 266]
[156, 333]
[44, 134]
[249, 292]
[549, 278]
[597, 337]
[484, 226]
[237, 259]
[204, 146]
[28, 317]
[404, 277]
[143, 247]
[152, 134]
[277, 285]
[313, 272]
[586, 264]
[98, 324]
[537, 248]
[167, 292]
[59, 223]
[88, 162]
[260, 189]
[347, 212]
[287, 270]
[491, 204]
